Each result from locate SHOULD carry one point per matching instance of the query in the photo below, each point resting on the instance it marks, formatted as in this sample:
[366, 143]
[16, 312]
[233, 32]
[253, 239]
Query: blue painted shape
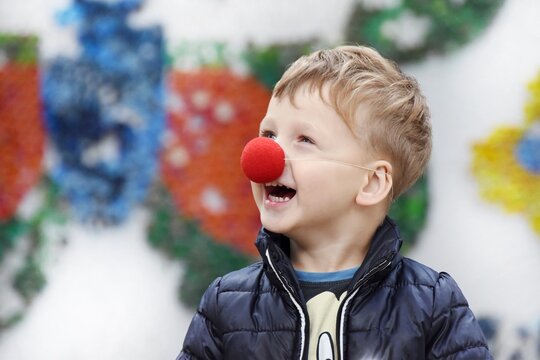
[528, 149]
[104, 111]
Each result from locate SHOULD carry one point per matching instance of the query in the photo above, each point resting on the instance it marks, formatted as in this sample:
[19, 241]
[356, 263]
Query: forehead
[324, 102]
[304, 106]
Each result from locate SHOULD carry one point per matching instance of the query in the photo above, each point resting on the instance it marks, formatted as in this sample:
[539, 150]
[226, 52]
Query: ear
[376, 184]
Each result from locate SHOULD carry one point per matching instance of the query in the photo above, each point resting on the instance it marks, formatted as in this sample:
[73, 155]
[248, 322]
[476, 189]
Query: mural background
[135, 115]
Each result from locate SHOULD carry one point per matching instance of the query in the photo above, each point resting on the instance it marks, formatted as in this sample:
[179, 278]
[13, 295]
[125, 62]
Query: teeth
[275, 184]
[278, 199]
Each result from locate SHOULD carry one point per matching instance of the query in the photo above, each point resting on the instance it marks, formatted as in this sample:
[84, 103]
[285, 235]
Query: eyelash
[271, 135]
[267, 134]
[306, 139]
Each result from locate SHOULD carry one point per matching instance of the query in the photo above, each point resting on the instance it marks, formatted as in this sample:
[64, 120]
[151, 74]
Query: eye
[268, 134]
[306, 139]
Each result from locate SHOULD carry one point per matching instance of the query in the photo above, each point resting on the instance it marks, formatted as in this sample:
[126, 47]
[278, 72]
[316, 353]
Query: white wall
[112, 297]
[494, 256]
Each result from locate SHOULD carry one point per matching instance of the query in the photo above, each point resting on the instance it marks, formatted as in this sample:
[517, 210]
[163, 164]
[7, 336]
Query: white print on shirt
[322, 310]
[325, 348]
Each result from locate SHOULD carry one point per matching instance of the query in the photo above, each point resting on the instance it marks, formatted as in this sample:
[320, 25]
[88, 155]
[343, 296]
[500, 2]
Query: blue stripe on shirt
[325, 276]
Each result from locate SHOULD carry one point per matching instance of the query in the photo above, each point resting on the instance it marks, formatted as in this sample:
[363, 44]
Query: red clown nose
[262, 160]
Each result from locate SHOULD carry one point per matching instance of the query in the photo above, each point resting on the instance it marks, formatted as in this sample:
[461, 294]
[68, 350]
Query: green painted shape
[181, 239]
[410, 212]
[19, 49]
[269, 63]
[452, 26]
[29, 279]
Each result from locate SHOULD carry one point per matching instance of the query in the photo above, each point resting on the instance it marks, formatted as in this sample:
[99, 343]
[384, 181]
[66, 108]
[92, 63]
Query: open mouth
[279, 193]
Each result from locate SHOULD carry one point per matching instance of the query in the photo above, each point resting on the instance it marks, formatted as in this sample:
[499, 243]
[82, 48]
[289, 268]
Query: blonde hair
[397, 124]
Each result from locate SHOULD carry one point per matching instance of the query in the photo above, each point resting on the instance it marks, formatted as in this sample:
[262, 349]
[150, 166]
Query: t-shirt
[324, 293]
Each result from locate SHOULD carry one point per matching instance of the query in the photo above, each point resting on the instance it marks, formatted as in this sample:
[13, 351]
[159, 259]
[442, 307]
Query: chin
[272, 227]
[275, 226]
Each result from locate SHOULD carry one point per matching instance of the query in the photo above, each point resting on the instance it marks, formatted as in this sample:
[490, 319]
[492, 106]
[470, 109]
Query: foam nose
[262, 160]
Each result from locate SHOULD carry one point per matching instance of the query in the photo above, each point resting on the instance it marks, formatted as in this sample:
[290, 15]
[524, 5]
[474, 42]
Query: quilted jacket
[395, 308]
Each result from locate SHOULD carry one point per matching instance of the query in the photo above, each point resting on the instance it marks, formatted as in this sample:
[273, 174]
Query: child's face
[319, 195]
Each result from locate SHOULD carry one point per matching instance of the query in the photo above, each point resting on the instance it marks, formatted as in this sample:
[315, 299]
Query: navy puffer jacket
[396, 308]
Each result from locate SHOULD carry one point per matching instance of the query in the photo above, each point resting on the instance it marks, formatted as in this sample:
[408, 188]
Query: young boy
[331, 284]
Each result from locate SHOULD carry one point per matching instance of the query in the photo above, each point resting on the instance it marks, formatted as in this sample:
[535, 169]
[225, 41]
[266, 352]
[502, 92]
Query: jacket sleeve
[203, 339]
[455, 333]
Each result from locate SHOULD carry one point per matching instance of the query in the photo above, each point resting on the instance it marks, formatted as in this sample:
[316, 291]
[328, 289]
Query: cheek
[257, 191]
[328, 184]
[315, 185]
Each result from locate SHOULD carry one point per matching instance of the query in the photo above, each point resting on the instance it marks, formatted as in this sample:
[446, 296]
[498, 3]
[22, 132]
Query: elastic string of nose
[348, 164]
[342, 163]
[263, 161]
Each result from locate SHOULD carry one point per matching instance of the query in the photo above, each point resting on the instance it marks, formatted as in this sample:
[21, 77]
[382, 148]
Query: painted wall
[111, 297]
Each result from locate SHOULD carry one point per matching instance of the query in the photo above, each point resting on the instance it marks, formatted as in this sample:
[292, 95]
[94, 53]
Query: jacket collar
[381, 257]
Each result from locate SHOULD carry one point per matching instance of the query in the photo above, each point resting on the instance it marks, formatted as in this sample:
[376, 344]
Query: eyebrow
[301, 124]
[306, 125]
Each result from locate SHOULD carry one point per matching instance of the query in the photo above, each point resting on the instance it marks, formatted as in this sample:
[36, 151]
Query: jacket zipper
[298, 307]
[380, 267]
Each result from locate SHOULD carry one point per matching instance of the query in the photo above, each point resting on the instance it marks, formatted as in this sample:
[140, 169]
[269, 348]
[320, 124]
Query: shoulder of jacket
[444, 288]
[413, 272]
[245, 279]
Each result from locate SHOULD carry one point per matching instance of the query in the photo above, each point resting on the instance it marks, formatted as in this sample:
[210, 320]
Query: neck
[327, 252]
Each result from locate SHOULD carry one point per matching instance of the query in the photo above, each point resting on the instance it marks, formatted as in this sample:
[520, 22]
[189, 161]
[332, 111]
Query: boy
[331, 284]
